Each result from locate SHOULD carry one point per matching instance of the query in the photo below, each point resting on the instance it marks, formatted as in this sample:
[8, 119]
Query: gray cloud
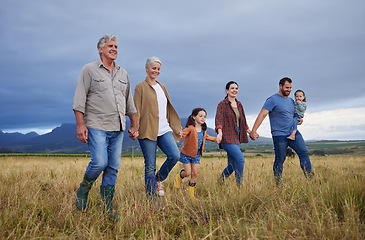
[202, 44]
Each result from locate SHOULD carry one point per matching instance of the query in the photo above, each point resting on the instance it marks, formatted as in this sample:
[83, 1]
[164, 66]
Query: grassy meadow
[38, 194]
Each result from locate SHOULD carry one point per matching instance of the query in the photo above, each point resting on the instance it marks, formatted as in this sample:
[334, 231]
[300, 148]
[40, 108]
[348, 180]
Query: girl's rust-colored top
[190, 146]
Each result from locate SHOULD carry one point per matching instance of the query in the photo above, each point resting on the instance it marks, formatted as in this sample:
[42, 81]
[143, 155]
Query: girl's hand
[248, 131]
[300, 120]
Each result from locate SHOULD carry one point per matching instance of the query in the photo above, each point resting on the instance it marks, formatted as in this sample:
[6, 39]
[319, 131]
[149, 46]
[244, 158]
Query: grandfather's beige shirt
[104, 99]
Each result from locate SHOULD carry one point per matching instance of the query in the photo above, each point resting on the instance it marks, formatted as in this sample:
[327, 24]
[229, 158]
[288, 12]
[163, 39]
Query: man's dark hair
[283, 80]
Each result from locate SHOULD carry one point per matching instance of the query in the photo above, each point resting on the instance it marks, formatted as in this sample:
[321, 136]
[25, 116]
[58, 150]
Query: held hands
[181, 135]
[133, 133]
[254, 135]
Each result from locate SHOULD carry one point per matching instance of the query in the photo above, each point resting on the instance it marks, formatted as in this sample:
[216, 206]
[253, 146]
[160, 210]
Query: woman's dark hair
[305, 98]
[229, 84]
[191, 120]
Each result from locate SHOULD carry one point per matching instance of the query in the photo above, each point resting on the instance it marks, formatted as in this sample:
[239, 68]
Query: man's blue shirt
[281, 113]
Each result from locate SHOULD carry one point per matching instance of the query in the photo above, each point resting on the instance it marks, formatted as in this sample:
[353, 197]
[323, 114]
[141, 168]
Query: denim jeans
[168, 145]
[105, 150]
[281, 143]
[236, 162]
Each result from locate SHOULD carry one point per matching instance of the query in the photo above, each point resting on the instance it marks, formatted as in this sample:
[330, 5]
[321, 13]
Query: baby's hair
[305, 98]
[191, 120]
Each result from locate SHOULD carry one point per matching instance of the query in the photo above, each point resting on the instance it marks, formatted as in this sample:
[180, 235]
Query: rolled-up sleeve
[130, 107]
[82, 89]
[219, 117]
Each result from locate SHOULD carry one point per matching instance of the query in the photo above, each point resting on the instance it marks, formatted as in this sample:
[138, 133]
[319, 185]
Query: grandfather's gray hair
[106, 38]
[151, 60]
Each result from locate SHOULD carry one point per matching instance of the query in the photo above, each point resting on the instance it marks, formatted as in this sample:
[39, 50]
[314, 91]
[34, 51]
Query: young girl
[195, 133]
[300, 107]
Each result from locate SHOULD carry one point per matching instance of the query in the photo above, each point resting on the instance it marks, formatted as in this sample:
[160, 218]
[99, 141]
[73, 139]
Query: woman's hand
[219, 136]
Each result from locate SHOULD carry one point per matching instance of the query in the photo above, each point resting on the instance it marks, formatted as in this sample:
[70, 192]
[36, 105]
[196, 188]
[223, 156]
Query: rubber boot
[192, 191]
[178, 179]
[83, 193]
[107, 195]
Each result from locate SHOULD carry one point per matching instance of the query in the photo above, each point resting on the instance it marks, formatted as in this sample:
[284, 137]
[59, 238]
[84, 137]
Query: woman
[232, 129]
[158, 125]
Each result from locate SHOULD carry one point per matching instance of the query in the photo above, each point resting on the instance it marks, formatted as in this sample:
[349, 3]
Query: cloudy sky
[202, 44]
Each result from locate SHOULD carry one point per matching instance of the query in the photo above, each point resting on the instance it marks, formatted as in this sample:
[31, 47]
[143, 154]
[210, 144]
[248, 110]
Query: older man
[103, 98]
[280, 108]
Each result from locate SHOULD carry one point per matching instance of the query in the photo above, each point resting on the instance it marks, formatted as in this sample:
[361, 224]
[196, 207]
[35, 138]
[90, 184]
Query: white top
[163, 124]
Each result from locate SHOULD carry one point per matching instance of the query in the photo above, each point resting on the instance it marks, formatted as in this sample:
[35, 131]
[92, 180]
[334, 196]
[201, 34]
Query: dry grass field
[37, 197]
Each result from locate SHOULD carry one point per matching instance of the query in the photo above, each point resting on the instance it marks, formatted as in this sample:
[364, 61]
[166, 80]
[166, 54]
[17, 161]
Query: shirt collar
[101, 64]
[228, 102]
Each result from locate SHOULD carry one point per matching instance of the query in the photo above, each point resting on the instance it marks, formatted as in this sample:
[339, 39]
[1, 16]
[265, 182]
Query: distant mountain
[63, 139]
[10, 138]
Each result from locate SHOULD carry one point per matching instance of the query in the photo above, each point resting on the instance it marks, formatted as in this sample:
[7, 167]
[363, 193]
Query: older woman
[158, 125]
[232, 129]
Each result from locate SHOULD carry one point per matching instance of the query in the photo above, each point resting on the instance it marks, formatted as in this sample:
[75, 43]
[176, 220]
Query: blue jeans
[105, 150]
[168, 145]
[281, 143]
[236, 162]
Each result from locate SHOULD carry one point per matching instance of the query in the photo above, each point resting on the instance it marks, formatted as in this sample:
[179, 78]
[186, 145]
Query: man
[103, 98]
[281, 112]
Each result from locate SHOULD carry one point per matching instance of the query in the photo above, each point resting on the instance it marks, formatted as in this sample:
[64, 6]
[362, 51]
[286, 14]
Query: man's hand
[81, 130]
[82, 133]
[300, 120]
[262, 115]
[254, 135]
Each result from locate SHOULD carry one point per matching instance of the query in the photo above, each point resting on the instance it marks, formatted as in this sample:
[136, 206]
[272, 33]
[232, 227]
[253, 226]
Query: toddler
[300, 107]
